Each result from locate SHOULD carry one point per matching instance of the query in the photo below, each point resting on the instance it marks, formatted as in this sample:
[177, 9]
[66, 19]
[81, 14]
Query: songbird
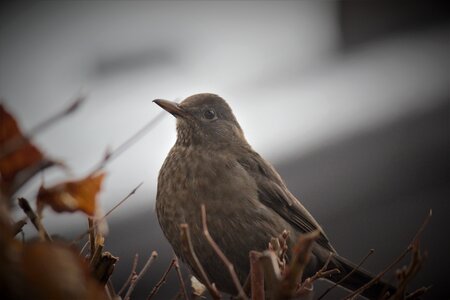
[246, 200]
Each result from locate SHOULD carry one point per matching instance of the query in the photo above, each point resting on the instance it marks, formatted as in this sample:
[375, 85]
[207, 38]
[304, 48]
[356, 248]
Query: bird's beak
[171, 107]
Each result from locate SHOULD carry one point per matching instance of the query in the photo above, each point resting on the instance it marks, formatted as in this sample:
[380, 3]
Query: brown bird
[246, 200]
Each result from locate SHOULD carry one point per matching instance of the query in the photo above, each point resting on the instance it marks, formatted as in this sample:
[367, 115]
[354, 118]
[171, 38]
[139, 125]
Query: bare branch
[84, 247]
[132, 274]
[92, 229]
[271, 269]
[111, 155]
[294, 272]
[406, 274]
[104, 267]
[17, 227]
[307, 285]
[398, 259]
[188, 250]
[111, 291]
[97, 254]
[43, 234]
[371, 251]
[256, 276]
[417, 293]
[180, 279]
[136, 279]
[222, 256]
[162, 280]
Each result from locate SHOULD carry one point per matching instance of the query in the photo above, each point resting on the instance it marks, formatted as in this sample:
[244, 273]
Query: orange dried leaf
[55, 271]
[16, 152]
[72, 196]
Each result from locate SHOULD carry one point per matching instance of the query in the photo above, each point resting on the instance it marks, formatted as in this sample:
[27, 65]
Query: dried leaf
[72, 196]
[55, 271]
[16, 152]
[197, 287]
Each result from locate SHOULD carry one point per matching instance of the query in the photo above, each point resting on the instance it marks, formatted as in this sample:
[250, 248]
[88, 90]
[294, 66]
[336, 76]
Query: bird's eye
[209, 114]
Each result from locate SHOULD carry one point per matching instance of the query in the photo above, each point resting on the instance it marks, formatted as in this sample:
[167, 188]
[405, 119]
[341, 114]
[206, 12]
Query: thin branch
[90, 230]
[188, 250]
[256, 276]
[97, 254]
[111, 291]
[307, 284]
[111, 155]
[222, 256]
[417, 293]
[104, 268]
[271, 269]
[17, 227]
[398, 259]
[348, 275]
[43, 234]
[132, 274]
[136, 279]
[84, 247]
[406, 274]
[162, 280]
[122, 201]
[18, 141]
[294, 272]
[180, 279]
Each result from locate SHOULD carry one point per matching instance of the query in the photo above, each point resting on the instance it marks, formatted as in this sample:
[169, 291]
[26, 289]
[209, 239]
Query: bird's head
[204, 119]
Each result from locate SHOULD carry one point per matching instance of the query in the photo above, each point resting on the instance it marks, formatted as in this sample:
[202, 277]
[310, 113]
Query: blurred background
[350, 100]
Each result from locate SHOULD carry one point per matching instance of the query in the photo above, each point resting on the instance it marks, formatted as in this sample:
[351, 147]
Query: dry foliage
[46, 269]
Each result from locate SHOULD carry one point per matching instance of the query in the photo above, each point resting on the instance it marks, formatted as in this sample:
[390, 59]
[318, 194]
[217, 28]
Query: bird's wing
[273, 193]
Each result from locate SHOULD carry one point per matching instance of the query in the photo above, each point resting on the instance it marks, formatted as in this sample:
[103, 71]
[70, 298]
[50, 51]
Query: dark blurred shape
[132, 60]
[365, 21]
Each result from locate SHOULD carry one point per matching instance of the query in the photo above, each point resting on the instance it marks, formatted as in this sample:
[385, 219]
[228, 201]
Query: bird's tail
[358, 278]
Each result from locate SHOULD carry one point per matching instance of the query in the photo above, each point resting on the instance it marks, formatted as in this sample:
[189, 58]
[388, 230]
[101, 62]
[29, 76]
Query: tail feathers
[359, 278]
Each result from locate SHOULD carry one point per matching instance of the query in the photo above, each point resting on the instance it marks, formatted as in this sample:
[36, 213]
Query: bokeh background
[349, 100]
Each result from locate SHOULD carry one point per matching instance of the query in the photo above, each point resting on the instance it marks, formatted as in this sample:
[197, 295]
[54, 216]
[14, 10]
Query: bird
[247, 201]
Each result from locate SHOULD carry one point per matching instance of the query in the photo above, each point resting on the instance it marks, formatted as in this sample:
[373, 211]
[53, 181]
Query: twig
[109, 156]
[97, 254]
[188, 250]
[417, 293]
[406, 274]
[162, 280]
[391, 265]
[371, 251]
[84, 247]
[132, 274]
[136, 279]
[222, 256]
[43, 234]
[307, 284]
[256, 276]
[91, 236]
[271, 269]
[104, 268]
[111, 291]
[17, 227]
[14, 143]
[180, 279]
[81, 236]
[301, 256]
